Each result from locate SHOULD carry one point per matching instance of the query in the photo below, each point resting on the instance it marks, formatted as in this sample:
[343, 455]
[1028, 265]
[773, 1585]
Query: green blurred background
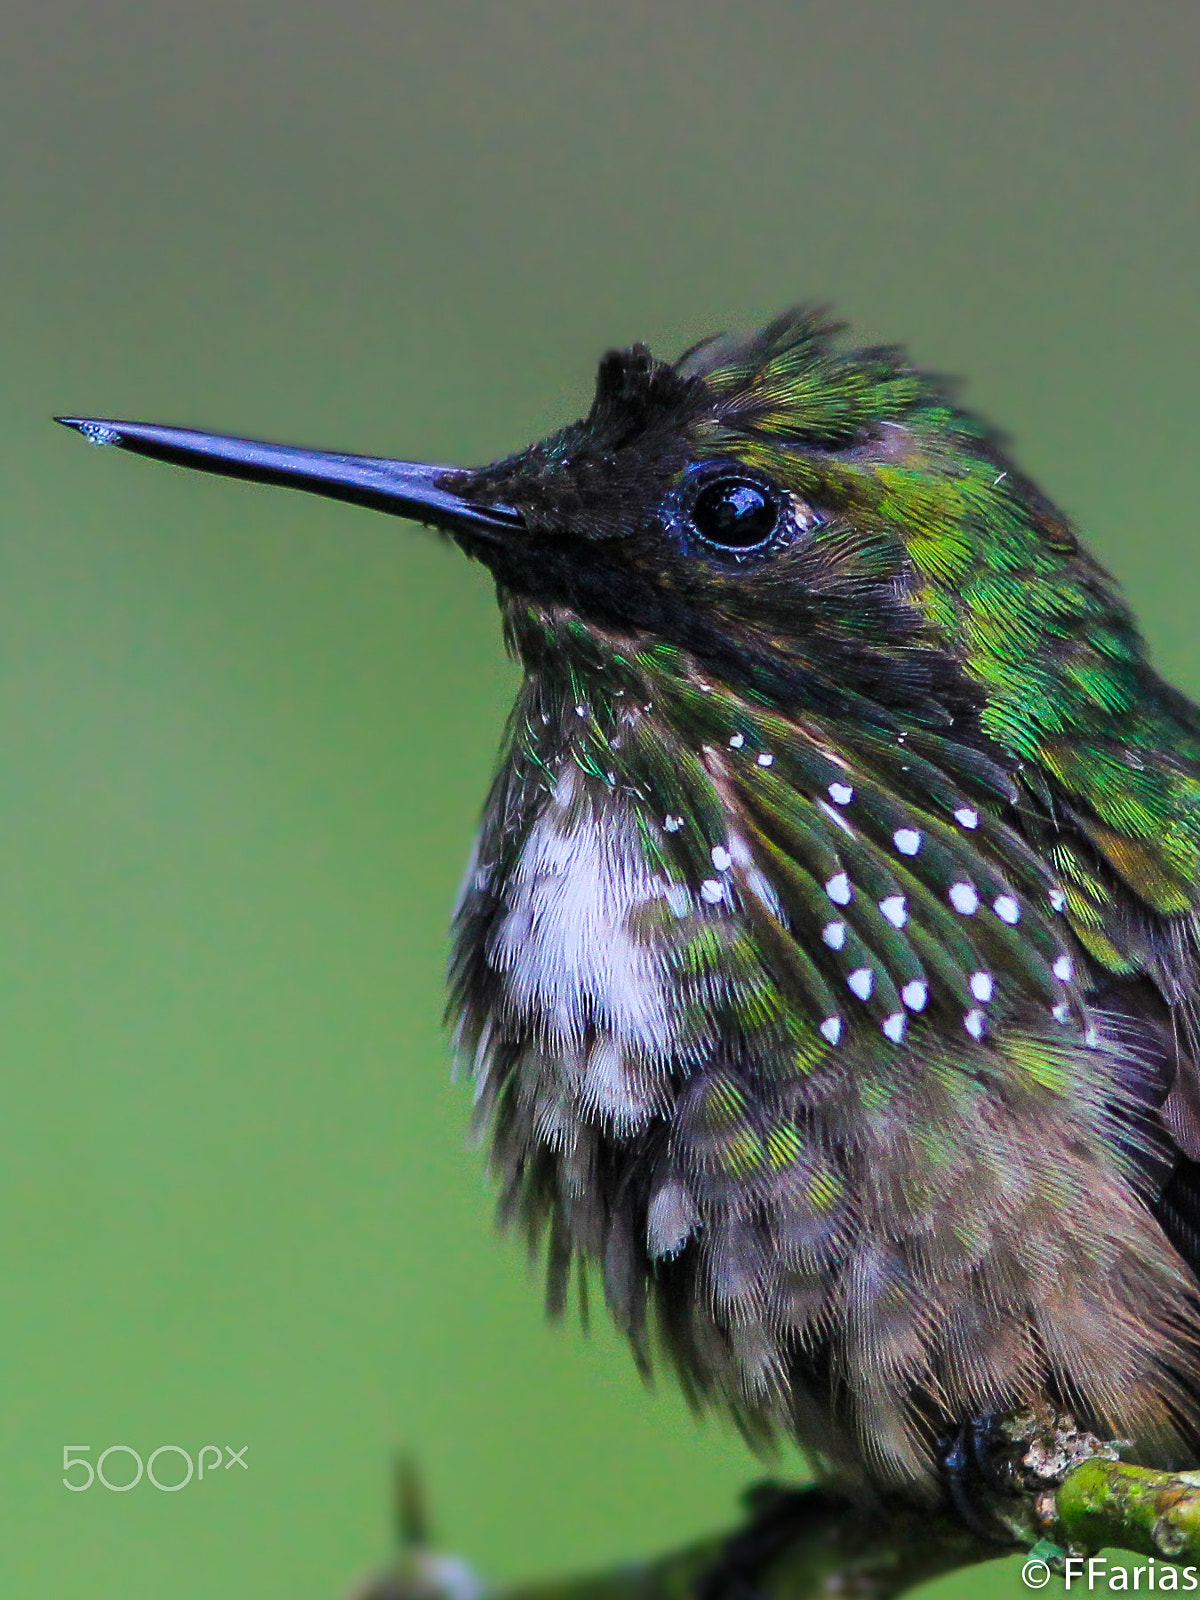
[246, 735]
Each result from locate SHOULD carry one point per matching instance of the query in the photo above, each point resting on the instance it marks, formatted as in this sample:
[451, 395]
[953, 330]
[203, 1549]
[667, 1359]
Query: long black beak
[405, 488]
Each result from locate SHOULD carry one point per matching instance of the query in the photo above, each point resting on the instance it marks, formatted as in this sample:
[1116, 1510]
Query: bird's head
[820, 526]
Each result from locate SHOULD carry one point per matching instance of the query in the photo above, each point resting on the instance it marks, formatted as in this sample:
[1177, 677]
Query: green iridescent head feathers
[919, 574]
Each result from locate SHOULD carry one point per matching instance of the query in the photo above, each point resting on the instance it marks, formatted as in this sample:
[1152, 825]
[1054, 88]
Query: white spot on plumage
[907, 841]
[973, 1022]
[834, 934]
[721, 859]
[895, 1025]
[1007, 909]
[983, 986]
[966, 817]
[915, 994]
[737, 741]
[964, 898]
[841, 793]
[672, 824]
[1058, 900]
[766, 759]
[581, 711]
[831, 1029]
[838, 889]
[712, 891]
[1063, 969]
[895, 909]
[1061, 1013]
[861, 982]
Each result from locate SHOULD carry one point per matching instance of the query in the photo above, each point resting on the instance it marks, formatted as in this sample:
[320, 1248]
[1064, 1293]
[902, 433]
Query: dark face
[645, 521]
[710, 505]
[667, 533]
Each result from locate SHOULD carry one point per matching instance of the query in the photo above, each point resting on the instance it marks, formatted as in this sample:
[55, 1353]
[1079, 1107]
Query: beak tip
[410, 489]
[93, 430]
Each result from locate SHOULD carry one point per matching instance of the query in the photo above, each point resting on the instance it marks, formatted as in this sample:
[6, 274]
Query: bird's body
[828, 960]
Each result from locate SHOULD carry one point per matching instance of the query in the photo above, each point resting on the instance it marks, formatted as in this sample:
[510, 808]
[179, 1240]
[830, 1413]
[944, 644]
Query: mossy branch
[1051, 1490]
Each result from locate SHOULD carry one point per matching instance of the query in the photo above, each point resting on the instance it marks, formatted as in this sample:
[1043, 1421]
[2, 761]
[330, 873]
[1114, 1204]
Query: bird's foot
[975, 1478]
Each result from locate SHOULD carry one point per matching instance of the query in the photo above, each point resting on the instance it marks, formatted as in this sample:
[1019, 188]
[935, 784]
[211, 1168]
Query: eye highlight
[735, 513]
[722, 508]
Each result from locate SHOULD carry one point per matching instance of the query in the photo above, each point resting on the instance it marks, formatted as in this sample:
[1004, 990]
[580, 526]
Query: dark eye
[735, 513]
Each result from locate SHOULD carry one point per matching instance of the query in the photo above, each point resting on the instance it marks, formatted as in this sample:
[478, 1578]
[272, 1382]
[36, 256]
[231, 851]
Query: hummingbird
[828, 959]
